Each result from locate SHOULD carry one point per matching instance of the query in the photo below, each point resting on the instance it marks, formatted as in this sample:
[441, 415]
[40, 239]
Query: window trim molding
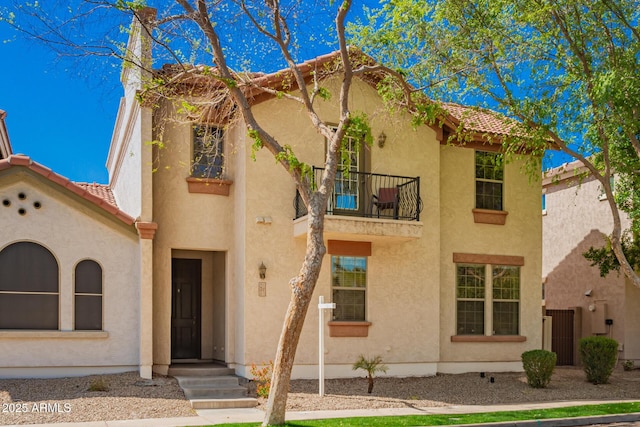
[40, 334]
[215, 186]
[467, 258]
[488, 338]
[356, 329]
[488, 216]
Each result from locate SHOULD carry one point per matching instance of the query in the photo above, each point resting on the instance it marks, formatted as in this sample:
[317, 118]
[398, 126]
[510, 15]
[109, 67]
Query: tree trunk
[370, 389]
[302, 287]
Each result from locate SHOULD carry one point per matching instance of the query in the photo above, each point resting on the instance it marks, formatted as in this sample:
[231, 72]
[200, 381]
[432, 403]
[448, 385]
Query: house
[434, 251]
[580, 302]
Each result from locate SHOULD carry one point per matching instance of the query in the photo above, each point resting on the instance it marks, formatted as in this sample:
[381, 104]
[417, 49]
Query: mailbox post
[321, 307]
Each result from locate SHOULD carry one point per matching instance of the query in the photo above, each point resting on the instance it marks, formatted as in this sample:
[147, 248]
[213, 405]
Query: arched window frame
[87, 299]
[35, 306]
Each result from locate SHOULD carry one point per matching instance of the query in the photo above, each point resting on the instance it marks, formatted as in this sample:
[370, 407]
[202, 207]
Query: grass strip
[452, 419]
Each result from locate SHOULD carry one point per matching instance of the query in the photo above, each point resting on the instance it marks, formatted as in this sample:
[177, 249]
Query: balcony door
[348, 194]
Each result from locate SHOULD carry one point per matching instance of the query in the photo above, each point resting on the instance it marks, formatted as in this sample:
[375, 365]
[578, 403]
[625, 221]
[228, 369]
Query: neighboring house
[433, 252]
[5, 144]
[69, 276]
[576, 216]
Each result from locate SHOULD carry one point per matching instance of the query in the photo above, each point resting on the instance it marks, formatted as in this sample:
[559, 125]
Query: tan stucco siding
[186, 221]
[73, 231]
[402, 284]
[520, 236]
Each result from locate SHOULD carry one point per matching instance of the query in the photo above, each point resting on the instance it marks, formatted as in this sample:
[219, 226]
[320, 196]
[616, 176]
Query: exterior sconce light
[382, 138]
[262, 270]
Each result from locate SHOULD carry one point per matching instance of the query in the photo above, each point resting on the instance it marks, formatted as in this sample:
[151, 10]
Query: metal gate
[562, 342]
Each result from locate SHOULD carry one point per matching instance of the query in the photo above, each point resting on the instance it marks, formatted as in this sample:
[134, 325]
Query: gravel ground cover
[129, 397]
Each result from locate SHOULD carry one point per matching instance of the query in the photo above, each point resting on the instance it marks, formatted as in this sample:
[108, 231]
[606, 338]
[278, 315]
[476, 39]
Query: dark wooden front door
[562, 340]
[185, 308]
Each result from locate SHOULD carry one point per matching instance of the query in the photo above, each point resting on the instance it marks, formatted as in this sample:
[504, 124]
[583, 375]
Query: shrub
[372, 366]
[628, 365]
[262, 377]
[538, 365]
[98, 384]
[598, 356]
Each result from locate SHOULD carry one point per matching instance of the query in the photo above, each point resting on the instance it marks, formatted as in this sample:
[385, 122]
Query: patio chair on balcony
[387, 198]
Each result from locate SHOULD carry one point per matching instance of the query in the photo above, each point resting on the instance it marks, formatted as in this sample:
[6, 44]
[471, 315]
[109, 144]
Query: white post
[321, 307]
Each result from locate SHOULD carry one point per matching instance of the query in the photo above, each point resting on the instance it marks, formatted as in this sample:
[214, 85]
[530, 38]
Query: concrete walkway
[222, 416]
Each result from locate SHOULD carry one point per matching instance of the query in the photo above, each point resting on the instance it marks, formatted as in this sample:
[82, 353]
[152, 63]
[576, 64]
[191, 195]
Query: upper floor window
[208, 152]
[29, 291]
[484, 288]
[489, 180]
[349, 286]
[88, 296]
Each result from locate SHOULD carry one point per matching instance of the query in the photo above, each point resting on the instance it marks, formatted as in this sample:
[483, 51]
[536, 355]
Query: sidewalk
[222, 416]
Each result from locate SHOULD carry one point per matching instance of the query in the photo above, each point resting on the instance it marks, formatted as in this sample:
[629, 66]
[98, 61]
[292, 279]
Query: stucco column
[146, 230]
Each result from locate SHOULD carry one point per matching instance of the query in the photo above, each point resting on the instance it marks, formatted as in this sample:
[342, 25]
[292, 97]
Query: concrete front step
[247, 402]
[211, 387]
[199, 371]
[219, 381]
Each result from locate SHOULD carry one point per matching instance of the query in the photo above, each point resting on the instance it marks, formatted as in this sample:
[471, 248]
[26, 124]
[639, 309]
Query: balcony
[368, 206]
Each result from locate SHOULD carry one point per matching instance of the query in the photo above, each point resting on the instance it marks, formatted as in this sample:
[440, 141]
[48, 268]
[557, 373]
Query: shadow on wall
[569, 283]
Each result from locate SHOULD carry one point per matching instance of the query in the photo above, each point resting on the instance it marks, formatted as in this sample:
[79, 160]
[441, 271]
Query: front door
[185, 308]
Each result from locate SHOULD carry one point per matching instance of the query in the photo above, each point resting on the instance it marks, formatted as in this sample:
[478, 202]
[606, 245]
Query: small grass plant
[98, 384]
[371, 366]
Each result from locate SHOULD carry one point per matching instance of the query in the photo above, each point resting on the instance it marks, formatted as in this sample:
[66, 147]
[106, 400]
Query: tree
[566, 69]
[197, 30]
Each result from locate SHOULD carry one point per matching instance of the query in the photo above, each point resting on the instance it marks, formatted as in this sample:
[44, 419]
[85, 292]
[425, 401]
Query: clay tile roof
[100, 190]
[480, 120]
[98, 194]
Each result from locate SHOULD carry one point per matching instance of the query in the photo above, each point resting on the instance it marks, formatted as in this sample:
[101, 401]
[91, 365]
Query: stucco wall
[188, 221]
[577, 218]
[520, 236]
[402, 282]
[73, 231]
[410, 282]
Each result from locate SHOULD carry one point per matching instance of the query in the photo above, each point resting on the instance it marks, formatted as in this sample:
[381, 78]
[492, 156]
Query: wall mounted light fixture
[382, 139]
[262, 270]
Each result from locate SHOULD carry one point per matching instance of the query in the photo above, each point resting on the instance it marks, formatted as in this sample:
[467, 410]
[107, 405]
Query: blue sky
[54, 116]
[60, 113]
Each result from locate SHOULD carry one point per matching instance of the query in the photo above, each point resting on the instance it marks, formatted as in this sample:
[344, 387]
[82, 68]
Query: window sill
[484, 338]
[209, 185]
[487, 216]
[26, 334]
[349, 329]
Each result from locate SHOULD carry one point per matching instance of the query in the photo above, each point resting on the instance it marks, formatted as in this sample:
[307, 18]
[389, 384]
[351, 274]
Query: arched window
[88, 296]
[28, 287]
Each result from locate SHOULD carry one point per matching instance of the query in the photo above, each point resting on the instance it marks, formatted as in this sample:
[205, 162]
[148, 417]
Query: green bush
[599, 355]
[538, 365]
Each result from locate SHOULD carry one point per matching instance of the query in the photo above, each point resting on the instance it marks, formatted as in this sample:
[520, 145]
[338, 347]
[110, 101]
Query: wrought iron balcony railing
[370, 195]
